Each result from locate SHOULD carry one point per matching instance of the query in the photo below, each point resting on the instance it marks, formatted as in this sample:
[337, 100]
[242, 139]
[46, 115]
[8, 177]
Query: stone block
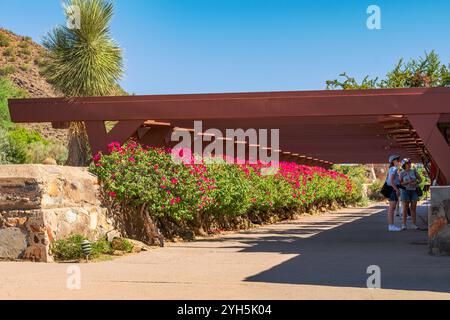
[19, 194]
[439, 221]
[13, 243]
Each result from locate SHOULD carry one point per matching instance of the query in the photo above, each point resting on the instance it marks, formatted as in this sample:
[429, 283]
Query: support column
[99, 138]
[426, 128]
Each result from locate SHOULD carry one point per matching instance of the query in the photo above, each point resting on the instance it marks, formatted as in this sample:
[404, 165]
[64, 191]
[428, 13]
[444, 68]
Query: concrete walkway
[316, 257]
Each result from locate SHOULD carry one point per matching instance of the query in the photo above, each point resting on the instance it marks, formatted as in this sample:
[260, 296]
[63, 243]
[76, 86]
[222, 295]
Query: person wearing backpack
[410, 180]
[393, 183]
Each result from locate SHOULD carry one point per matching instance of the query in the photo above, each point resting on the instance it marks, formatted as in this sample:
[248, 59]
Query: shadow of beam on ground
[340, 256]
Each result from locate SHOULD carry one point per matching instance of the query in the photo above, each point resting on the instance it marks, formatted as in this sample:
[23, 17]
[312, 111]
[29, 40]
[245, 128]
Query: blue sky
[191, 46]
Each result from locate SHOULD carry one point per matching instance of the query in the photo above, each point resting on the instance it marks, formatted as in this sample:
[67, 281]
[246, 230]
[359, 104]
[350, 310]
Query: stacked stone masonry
[40, 204]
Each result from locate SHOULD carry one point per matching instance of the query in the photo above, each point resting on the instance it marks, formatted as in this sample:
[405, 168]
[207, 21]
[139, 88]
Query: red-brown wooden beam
[234, 105]
[426, 128]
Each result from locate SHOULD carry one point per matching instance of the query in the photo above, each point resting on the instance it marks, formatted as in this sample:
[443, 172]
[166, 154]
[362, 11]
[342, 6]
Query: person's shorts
[393, 196]
[409, 195]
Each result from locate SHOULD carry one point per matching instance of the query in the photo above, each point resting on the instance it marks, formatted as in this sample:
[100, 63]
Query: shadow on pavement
[340, 256]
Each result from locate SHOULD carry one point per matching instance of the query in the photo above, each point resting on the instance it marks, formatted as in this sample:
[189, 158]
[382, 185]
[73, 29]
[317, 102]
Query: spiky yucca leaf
[85, 61]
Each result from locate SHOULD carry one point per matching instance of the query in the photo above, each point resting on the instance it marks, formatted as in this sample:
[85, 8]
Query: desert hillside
[21, 60]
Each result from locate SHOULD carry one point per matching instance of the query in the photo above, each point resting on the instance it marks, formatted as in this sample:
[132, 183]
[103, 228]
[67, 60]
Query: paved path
[316, 257]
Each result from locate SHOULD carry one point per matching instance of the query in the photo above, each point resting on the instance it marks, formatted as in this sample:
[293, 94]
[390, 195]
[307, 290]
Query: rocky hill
[21, 60]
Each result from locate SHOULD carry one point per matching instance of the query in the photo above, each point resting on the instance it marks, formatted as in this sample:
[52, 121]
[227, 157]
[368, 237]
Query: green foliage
[136, 176]
[85, 61]
[5, 146]
[24, 45]
[25, 52]
[103, 246]
[4, 40]
[20, 145]
[37, 152]
[8, 91]
[351, 83]
[357, 176]
[20, 138]
[122, 245]
[9, 52]
[374, 190]
[7, 70]
[69, 249]
[24, 67]
[425, 71]
[41, 62]
[425, 179]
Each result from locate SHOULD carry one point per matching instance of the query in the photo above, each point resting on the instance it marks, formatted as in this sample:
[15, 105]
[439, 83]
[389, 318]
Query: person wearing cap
[393, 180]
[410, 180]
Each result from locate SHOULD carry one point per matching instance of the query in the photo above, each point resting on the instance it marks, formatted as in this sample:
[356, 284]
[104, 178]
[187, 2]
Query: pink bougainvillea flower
[174, 180]
[97, 157]
[114, 146]
[112, 194]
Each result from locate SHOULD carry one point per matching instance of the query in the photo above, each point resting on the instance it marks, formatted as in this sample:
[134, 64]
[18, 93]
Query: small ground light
[86, 248]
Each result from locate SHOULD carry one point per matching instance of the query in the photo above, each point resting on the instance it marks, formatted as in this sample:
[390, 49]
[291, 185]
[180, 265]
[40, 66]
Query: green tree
[84, 62]
[350, 83]
[423, 72]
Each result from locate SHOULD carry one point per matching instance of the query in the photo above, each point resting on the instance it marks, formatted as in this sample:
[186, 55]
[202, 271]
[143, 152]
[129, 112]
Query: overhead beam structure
[316, 127]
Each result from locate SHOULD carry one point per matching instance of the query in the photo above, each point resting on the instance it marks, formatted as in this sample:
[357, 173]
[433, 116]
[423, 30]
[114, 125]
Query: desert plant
[7, 91]
[25, 52]
[9, 52]
[37, 152]
[4, 146]
[24, 67]
[4, 40]
[84, 62]
[7, 70]
[20, 138]
[69, 249]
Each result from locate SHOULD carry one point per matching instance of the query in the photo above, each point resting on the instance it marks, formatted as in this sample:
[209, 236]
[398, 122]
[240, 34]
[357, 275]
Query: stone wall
[40, 204]
[439, 221]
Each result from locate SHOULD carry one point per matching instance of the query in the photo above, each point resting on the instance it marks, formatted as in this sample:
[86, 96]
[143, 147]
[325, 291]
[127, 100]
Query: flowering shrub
[133, 175]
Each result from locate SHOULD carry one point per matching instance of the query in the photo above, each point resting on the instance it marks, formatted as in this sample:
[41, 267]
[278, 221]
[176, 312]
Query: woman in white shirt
[393, 181]
[410, 180]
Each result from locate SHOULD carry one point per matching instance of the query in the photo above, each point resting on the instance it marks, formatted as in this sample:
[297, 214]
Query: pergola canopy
[316, 127]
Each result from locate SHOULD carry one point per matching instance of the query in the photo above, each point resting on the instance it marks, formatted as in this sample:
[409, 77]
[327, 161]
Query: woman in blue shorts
[410, 180]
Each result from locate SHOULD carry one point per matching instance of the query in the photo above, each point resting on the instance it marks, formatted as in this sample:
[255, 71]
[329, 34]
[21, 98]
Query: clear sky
[190, 46]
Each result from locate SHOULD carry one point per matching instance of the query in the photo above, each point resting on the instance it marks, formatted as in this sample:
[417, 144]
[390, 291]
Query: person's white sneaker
[404, 227]
[393, 228]
[414, 227]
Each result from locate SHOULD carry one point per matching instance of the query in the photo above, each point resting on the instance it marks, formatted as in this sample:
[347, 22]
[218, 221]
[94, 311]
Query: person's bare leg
[391, 212]
[414, 212]
[405, 205]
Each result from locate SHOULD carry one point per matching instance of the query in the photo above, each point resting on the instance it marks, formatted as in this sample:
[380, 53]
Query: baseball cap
[393, 157]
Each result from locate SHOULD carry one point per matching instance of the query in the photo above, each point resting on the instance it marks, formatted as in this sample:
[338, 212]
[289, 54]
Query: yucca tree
[84, 62]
